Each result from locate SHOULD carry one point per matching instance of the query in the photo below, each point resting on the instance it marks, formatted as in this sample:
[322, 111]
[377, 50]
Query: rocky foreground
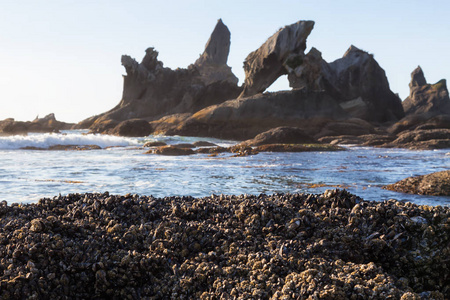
[300, 246]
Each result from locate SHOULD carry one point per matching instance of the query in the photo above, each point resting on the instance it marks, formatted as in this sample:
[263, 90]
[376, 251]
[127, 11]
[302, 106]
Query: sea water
[122, 167]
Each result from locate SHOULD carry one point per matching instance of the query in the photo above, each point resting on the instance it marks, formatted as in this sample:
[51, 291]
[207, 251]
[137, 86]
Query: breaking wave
[51, 139]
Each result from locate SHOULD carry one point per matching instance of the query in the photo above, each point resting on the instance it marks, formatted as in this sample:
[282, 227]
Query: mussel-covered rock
[283, 246]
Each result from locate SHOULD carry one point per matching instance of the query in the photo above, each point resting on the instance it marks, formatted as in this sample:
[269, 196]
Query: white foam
[45, 140]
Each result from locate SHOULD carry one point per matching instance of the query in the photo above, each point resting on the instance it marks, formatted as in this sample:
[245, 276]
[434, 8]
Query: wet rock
[204, 144]
[436, 184]
[171, 150]
[281, 135]
[297, 148]
[154, 144]
[264, 247]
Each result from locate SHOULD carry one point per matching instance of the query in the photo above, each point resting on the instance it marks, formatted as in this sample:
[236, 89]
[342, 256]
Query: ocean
[122, 167]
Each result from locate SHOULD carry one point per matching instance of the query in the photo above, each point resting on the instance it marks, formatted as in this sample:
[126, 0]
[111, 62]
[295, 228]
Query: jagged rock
[426, 98]
[152, 91]
[132, 128]
[45, 124]
[263, 66]
[356, 81]
[281, 135]
[436, 184]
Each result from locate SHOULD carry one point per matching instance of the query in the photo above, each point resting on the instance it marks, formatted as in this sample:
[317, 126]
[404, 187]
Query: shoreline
[269, 246]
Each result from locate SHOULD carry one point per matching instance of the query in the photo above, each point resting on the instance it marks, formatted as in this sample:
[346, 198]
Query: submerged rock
[279, 246]
[435, 184]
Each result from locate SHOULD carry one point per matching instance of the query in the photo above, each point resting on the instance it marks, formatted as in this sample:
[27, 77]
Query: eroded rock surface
[264, 66]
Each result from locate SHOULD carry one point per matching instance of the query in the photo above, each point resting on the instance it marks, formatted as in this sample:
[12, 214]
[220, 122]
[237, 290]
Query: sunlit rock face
[264, 66]
[152, 91]
[425, 98]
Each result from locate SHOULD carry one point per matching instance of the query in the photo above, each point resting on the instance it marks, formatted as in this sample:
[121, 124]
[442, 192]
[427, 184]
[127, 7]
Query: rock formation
[202, 100]
[246, 117]
[212, 64]
[264, 66]
[45, 124]
[356, 81]
[425, 98]
[152, 91]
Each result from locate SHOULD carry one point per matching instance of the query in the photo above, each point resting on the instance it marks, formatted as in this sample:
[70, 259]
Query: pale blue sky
[63, 56]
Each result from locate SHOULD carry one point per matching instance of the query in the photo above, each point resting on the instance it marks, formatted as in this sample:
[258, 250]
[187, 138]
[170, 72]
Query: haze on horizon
[63, 57]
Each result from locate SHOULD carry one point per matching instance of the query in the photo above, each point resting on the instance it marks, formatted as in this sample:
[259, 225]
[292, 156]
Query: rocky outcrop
[132, 128]
[422, 139]
[45, 124]
[356, 81]
[212, 64]
[425, 98]
[436, 184]
[281, 135]
[244, 118]
[264, 66]
[152, 91]
[193, 101]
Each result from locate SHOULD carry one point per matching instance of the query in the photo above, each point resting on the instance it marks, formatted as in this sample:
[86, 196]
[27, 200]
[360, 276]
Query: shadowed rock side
[285, 246]
[151, 91]
[425, 98]
[356, 81]
[244, 118]
[436, 184]
[263, 66]
[45, 124]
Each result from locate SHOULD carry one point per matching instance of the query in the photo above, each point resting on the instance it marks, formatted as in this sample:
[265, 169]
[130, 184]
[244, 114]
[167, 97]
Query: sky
[63, 56]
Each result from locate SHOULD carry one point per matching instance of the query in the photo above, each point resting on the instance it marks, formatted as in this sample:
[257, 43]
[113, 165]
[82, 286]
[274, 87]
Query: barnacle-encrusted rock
[437, 184]
[329, 246]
